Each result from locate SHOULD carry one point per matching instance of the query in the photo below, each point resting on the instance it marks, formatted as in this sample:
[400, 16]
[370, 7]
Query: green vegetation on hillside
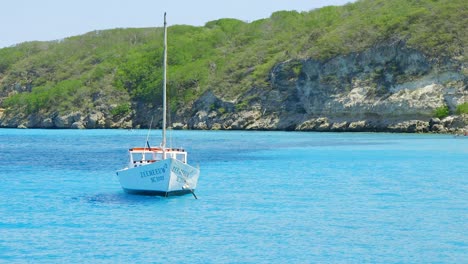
[442, 112]
[228, 56]
[462, 109]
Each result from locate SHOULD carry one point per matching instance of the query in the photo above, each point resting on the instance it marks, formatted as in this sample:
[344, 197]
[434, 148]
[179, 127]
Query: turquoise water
[264, 197]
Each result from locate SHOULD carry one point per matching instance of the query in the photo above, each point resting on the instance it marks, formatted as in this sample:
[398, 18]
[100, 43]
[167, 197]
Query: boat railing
[144, 156]
[137, 150]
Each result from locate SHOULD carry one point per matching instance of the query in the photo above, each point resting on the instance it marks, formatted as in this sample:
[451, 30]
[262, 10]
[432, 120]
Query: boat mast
[163, 143]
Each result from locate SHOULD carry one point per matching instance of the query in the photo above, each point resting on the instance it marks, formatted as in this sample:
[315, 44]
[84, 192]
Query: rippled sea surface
[264, 197]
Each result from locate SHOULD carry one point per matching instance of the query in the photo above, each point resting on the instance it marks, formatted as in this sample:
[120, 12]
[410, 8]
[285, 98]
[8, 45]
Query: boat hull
[168, 177]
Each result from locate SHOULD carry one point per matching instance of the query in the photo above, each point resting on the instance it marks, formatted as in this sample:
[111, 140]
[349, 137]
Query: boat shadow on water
[119, 198]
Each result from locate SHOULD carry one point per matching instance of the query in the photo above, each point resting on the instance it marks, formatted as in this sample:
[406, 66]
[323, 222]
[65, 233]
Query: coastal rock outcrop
[388, 87]
[385, 88]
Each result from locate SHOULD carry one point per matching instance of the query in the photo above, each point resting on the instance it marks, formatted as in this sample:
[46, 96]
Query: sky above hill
[44, 20]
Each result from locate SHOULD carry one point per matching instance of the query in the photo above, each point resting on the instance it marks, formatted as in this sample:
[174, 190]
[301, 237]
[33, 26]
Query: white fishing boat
[162, 171]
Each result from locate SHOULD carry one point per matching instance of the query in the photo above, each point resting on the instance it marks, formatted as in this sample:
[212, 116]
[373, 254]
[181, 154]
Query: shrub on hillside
[441, 112]
[462, 109]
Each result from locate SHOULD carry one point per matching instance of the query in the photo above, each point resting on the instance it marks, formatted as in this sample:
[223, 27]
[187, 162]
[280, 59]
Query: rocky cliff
[388, 87]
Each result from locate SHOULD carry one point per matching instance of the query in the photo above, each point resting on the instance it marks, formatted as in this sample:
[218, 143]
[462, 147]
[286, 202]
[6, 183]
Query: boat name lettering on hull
[157, 179]
[181, 172]
[153, 172]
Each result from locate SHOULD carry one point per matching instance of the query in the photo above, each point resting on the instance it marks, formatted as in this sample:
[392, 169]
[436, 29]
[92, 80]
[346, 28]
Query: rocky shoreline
[250, 121]
[253, 120]
[386, 88]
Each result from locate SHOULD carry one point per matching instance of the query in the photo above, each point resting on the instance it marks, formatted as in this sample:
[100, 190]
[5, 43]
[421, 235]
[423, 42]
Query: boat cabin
[144, 156]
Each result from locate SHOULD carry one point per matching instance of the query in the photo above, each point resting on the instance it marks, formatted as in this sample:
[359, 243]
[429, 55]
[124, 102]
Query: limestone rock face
[382, 82]
[47, 123]
[95, 120]
[66, 121]
[78, 125]
[412, 126]
[385, 88]
[388, 87]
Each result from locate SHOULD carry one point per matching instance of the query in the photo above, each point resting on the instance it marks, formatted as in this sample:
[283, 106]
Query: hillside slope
[372, 65]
